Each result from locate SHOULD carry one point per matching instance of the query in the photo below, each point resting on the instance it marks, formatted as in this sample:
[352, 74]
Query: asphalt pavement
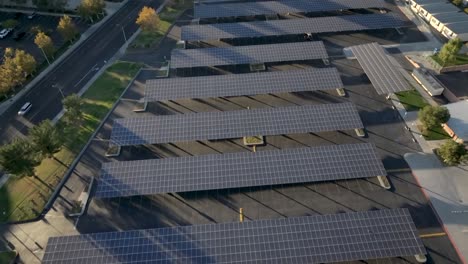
[73, 73]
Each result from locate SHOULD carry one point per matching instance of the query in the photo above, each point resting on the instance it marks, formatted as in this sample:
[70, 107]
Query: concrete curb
[6, 105]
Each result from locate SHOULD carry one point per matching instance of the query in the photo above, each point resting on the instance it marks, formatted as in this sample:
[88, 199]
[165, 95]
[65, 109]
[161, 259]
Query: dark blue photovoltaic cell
[235, 124]
[281, 7]
[292, 26]
[187, 58]
[237, 170]
[384, 74]
[242, 84]
[307, 239]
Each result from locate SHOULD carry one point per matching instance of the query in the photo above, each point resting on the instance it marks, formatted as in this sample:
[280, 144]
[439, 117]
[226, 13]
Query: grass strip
[412, 100]
[7, 256]
[24, 198]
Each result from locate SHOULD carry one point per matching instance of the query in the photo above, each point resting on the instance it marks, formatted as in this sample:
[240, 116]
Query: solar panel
[235, 124]
[382, 72]
[307, 239]
[281, 7]
[291, 26]
[242, 84]
[237, 170]
[186, 58]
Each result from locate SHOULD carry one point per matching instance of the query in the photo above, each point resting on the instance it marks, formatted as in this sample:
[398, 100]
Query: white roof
[458, 121]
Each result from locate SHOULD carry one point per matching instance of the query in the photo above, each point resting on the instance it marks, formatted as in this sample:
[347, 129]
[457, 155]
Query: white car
[5, 32]
[26, 107]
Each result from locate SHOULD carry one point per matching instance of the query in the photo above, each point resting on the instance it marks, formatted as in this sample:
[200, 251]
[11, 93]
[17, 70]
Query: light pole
[47, 59]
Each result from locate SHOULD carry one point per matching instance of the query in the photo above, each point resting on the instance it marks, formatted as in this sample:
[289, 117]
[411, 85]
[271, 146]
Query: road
[74, 72]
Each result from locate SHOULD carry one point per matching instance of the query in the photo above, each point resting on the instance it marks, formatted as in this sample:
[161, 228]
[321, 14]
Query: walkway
[445, 187]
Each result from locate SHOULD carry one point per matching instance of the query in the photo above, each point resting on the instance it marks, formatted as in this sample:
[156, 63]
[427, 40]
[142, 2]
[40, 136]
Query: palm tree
[73, 105]
[46, 139]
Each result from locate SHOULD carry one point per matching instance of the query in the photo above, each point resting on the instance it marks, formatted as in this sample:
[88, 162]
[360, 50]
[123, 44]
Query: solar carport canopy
[187, 58]
[242, 84]
[234, 124]
[383, 71]
[306, 239]
[281, 7]
[237, 170]
[292, 26]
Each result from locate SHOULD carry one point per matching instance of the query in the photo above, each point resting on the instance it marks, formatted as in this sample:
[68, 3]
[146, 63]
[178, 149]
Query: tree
[148, 19]
[452, 152]
[9, 23]
[67, 28]
[16, 66]
[449, 51]
[46, 139]
[457, 2]
[433, 116]
[17, 158]
[73, 105]
[24, 61]
[91, 8]
[46, 44]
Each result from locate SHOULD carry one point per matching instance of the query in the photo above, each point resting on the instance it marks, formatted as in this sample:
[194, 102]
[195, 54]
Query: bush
[452, 152]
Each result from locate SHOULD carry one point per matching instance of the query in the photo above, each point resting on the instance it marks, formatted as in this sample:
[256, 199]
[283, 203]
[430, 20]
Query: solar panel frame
[219, 56]
[234, 124]
[238, 170]
[307, 239]
[242, 84]
[316, 25]
[379, 68]
[281, 7]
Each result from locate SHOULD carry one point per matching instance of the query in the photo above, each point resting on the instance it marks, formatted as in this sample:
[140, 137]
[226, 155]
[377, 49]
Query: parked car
[4, 32]
[26, 107]
[18, 15]
[32, 15]
[19, 35]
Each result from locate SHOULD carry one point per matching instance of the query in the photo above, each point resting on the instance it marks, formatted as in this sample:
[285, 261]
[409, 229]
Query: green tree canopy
[17, 158]
[45, 43]
[46, 139]
[433, 116]
[452, 152]
[148, 19]
[449, 51]
[73, 105]
[67, 28]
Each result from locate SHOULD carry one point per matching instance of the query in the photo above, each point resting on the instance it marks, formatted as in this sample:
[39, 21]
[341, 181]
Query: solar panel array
[307, 239]
[187, 58]
[237, 170]
[234, 124]
[383, 74]
[291, 26]
[281, 7]
[242, 84]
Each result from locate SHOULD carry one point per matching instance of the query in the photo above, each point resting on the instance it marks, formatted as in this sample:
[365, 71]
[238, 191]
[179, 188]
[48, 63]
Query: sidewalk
[445, 187]
[111, 9]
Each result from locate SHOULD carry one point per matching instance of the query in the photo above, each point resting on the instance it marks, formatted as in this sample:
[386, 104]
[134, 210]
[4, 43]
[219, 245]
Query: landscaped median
[24, 198]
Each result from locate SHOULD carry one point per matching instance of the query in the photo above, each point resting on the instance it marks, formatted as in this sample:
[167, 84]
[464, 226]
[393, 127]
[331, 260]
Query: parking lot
[383, 125]
[46, 23]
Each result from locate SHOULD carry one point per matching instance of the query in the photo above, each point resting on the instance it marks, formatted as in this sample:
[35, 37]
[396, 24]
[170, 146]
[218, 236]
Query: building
[457, 126]
[443, 16]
